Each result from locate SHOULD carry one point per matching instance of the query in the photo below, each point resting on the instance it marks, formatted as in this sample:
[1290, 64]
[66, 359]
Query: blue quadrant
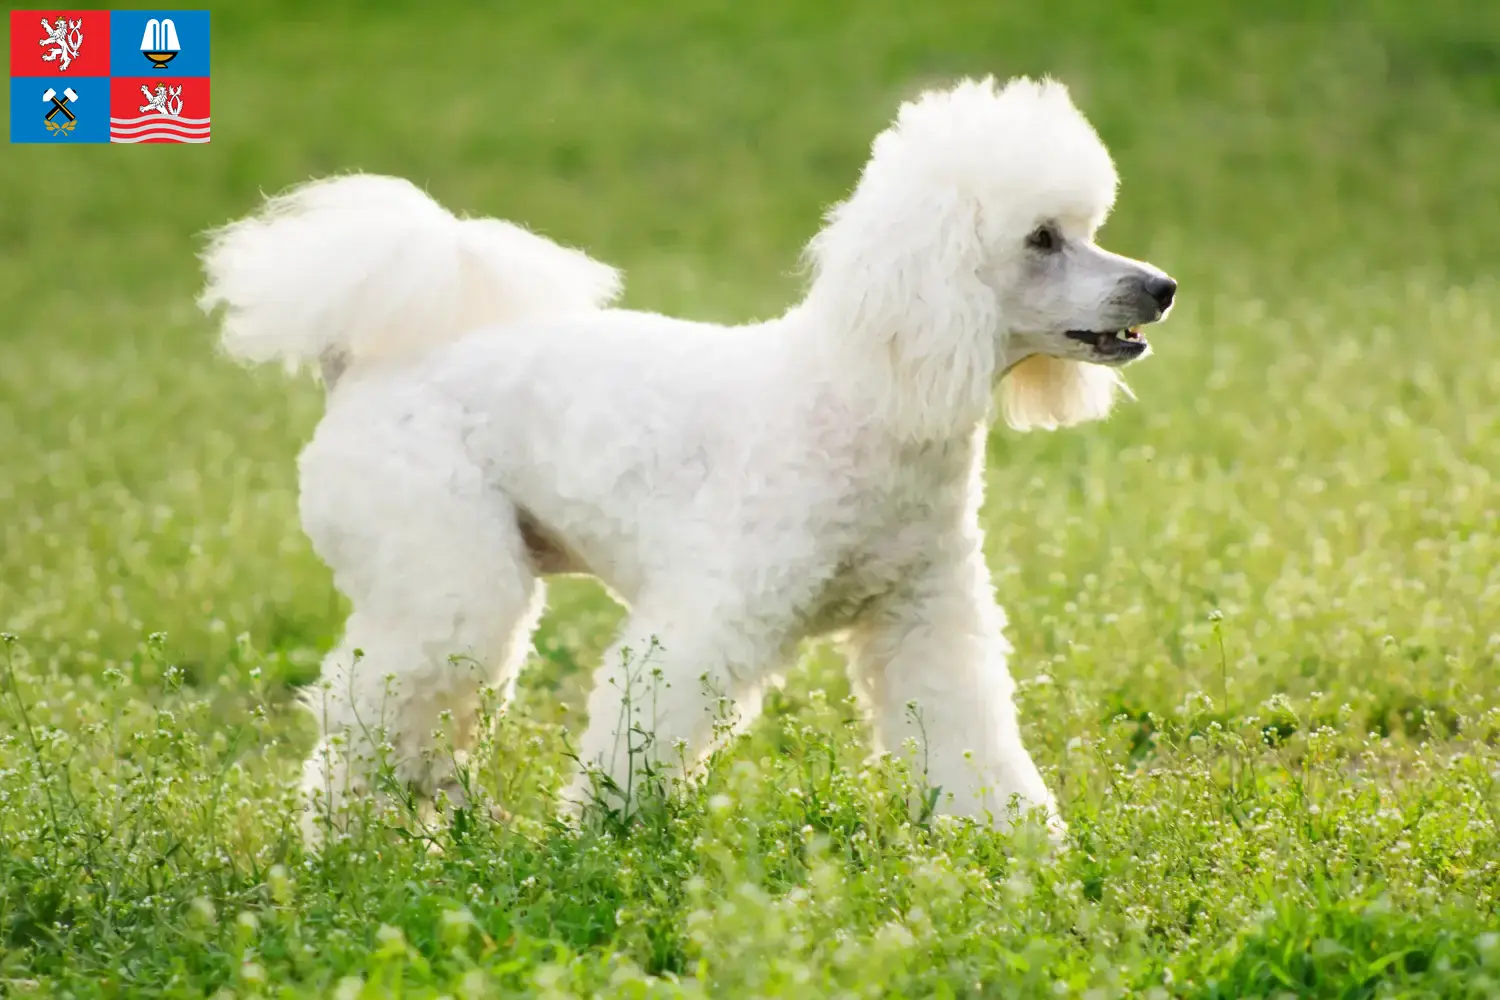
[128, 33]
[28, 109]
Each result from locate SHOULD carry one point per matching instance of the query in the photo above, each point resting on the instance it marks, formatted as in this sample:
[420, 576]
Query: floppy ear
[896, 284]
[1047, 393]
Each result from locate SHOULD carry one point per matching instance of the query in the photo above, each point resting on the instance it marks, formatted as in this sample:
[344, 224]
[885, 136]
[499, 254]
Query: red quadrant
[83, 44]
[157, 109]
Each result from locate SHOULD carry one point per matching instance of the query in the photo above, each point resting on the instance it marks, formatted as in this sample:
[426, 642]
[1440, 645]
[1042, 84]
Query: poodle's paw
[451, 795]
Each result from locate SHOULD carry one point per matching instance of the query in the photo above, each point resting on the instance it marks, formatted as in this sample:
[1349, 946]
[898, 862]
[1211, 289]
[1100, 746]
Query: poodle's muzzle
[1141, 298]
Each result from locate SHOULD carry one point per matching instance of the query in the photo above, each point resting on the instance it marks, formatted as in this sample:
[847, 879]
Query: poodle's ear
[1046, 393]
[897, 286]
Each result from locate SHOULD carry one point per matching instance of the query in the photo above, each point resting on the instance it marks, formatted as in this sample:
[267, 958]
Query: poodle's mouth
[1113, 345]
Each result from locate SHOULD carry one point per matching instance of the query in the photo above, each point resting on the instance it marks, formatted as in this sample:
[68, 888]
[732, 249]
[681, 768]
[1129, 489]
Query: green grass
[1257, 614]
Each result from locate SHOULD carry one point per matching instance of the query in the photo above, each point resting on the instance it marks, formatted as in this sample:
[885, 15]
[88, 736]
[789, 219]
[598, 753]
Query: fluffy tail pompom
[366, 268]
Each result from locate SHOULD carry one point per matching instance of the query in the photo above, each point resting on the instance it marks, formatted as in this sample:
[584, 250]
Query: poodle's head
[967, 253]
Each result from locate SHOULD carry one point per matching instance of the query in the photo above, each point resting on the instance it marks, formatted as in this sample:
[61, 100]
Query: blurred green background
[1320, 177]
[1313, 455]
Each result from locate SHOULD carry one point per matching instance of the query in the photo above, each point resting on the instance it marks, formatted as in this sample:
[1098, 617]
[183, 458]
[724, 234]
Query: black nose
[1162, 289]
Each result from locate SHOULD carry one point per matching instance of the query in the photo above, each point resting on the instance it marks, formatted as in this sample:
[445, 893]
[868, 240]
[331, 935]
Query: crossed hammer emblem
[61, 104]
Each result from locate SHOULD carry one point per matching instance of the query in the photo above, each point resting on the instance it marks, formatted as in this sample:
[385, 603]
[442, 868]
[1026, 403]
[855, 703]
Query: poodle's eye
[1044, 238]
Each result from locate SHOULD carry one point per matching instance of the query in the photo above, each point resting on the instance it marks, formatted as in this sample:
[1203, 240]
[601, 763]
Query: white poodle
[492, 420]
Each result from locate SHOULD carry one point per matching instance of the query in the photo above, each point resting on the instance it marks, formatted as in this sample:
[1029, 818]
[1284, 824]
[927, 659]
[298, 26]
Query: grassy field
[1257, 614]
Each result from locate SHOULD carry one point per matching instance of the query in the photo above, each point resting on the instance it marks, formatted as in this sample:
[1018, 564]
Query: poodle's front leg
[674, 681]
[932, 664]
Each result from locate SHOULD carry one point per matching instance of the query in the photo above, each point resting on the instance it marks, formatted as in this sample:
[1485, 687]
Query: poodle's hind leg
[444, 600]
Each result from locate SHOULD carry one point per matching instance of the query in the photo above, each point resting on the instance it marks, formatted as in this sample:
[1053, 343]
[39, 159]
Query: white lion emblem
[67, 36]
[168, 102]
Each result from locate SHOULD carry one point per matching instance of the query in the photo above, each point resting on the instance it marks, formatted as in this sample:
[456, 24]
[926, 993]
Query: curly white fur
[490, 421]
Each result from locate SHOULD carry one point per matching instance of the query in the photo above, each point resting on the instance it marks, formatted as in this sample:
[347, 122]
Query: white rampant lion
[168, 102]
[67, 36]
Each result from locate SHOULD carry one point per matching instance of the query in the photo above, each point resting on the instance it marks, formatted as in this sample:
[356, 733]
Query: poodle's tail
[363, 268]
